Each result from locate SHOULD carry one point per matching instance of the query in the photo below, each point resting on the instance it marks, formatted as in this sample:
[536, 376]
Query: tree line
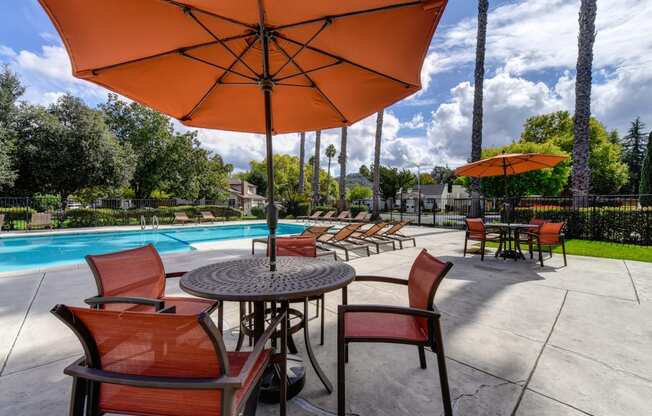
[118, 149]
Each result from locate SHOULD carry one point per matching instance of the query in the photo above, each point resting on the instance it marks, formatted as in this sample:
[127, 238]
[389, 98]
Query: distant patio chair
[181, 218]
[207, 216]
[477, 231]
[394, 233]
[134, 280]
[343, 216]
[315, 215]
[327, 216]
[418, 324]
[370, 235]
[312, 231]
[164, 364]
[40, 220]
[525, 237]
[341, 239]
[549, 235]
[362, 216]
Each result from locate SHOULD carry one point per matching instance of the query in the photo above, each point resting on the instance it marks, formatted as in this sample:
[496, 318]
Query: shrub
[46, 202]
[258, 212]
[356, 209]
[16, 218]
[324, 208]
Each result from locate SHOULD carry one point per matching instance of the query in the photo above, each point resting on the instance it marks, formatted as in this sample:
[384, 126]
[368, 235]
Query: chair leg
[563, 251]
[422, 357]
[482, 244]
[441, 364]
[341, 356]
[238, 345]
[77, 397]
[220, 318]
[466, 240]
[540, 253]
[250, 310]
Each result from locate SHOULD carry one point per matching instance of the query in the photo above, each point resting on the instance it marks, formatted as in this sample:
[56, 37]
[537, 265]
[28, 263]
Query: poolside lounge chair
[327, 216]
[341, 239]
[362, 216]
[40, 220]
[207, 216]
[312, 231]
[549, 235]
[165, 364]
[315, 215]
[370, 235]
[343, 216]
[181, 218]
[477, 231]
[393, 233]
[134, 280]
[418, 324]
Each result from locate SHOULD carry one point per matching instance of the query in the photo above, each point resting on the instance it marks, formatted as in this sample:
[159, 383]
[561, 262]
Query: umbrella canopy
[509, 164]
[274, 66]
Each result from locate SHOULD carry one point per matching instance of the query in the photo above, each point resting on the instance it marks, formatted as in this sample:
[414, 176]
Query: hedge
[356, 209]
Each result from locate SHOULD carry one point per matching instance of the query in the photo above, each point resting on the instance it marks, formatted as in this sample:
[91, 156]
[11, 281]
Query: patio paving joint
[631, 279]
[517, 382]
[22, 370]
[22, 323]
[536, 362]
[560, 402]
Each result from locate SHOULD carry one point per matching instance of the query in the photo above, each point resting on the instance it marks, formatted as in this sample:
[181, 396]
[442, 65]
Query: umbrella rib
[206, 12]
[321, 29]
[218, 66]
[319, 68]
[366, 68]
[218, 82]
[314, 84]
[350, 14]
[221, 42]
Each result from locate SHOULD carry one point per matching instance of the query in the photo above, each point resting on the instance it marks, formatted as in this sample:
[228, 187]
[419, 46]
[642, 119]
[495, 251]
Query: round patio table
[511, 232]
[250, 280]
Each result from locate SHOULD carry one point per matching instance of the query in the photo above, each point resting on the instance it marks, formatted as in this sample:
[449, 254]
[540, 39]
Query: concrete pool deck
[520, 339]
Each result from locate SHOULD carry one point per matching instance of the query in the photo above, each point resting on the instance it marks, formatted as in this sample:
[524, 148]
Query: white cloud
[417, 122]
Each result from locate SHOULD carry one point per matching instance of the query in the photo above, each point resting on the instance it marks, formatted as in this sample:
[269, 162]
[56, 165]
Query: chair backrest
[550, 233]
[537, 221]
[316, 214]
[207, 214]
[374, 229]
[149, 344]
[41, 218]
[346, 232]
[329, 214]
[361, 216]
[181, 215]
[426, 274]
[397, 227]
[135, 272]
[475, 225]
[315, 231]
[344, 214]
[295, 246]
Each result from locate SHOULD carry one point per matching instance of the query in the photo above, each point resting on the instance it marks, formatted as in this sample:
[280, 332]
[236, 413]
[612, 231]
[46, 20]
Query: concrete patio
[520, 339]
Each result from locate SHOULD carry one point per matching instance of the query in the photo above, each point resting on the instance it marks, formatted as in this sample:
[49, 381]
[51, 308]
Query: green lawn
[603, 249]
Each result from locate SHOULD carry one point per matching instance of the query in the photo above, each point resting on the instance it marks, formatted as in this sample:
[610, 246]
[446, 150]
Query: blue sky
[531, 52]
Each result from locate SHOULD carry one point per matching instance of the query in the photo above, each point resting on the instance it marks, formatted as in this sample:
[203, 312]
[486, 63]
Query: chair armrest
[381, 279]
[158, 304]
[77, 369]
[260, 346]
[401, 310]
[174, 274]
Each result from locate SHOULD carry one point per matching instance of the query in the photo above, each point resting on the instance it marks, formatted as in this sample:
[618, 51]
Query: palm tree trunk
[342, 160]
[375, 211]
[315, 174]
[581, 179]
[476, 132]
[302, 162]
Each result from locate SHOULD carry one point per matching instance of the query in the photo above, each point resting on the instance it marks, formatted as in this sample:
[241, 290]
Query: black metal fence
[17, 212]
[618, 218]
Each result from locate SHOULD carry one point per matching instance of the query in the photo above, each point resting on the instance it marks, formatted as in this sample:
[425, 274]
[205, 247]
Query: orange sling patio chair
[134, 280]
[549, 235]
[476, 230]
[418, 324]
[164, 364]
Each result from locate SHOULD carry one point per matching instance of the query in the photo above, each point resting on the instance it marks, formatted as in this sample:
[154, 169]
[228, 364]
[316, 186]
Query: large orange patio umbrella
[265, 66]
[509, 164]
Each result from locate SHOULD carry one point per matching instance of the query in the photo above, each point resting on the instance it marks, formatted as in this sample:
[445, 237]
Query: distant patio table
[250, 280]
[511, 247]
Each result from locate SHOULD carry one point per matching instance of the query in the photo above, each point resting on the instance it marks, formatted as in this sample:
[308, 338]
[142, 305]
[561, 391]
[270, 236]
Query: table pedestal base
[270, 383]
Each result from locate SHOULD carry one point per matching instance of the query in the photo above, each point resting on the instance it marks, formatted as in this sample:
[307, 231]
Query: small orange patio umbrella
[266, 66]
[509, 164]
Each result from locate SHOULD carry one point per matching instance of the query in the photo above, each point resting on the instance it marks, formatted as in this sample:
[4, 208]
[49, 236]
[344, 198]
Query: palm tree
[331, 151]
[476, 133]
[342, 160]
[581, 179]
[375, 211]
[315, 172]
[302, 161]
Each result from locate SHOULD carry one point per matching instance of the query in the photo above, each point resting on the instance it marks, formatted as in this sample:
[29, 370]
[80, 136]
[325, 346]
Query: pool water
[35, 252]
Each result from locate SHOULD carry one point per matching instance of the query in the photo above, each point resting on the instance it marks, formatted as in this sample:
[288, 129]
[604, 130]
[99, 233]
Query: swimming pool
[35, 252]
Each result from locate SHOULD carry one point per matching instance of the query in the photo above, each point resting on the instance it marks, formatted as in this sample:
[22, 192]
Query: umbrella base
[270, 387]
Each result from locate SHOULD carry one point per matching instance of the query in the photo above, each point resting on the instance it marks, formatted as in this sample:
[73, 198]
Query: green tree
[546, 182]
[426, 179]
[359, 192]
[645, 187]
[342, 161]
[365, 172]
[11, 89]
[316, 197]
[331, 151]
[67, 148]
[634, 153]
[608, 173]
